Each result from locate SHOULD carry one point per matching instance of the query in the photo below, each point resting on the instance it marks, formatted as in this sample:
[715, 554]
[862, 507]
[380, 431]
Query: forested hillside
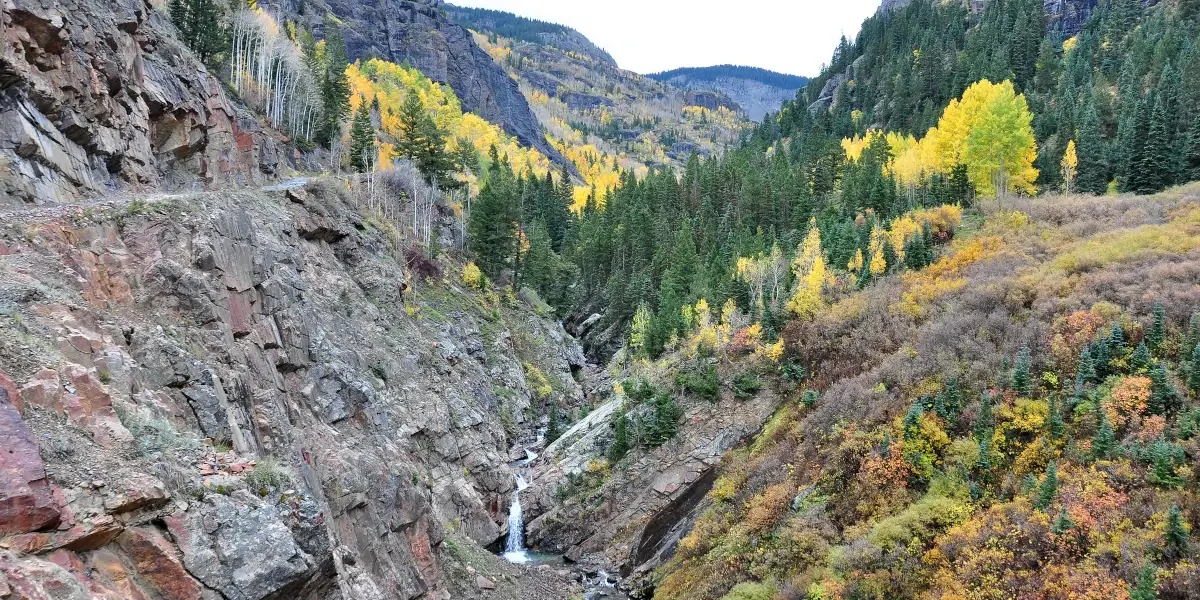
[710, 74]
[989, 372]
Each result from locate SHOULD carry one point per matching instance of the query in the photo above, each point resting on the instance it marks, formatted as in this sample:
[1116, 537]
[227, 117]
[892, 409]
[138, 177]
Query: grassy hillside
[1018, 419]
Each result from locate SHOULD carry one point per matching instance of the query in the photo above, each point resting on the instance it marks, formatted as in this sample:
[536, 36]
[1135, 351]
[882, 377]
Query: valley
[403, 300]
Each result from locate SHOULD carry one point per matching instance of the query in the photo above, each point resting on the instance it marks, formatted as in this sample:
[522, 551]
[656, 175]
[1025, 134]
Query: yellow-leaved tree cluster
[989, 131]
[389, 84]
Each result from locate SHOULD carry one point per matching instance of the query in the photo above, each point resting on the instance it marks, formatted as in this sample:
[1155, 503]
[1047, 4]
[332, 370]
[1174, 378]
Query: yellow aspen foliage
[473, 277]
[811, 275]
[856, 263]
[1070, 166]
[729, 318]
[1069, 44]
[878, 263]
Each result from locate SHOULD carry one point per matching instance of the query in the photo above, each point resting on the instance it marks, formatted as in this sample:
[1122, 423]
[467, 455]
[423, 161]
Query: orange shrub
[1128, 400]
[764, 509]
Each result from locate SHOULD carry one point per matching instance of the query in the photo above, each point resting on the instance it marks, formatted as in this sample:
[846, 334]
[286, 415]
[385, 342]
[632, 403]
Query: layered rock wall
[230, 396]
[98, 95]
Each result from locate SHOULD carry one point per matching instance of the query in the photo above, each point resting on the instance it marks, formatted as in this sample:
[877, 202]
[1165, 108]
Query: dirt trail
[49, 212]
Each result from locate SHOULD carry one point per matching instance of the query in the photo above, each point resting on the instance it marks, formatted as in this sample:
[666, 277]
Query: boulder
[26, 500]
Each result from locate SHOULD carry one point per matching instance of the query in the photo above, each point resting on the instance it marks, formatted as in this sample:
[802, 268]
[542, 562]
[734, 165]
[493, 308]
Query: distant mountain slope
[526, 30]
[757, 91]
[710, 74]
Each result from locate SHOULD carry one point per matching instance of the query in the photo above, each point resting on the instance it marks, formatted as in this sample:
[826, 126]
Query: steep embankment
[233, 396]
[1019, 418]
[99, 95]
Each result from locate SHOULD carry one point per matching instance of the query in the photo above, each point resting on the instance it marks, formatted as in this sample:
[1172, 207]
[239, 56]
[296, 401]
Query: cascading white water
[514, 548]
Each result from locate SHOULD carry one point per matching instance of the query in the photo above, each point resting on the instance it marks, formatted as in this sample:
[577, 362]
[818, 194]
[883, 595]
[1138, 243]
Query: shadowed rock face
[164, 359]
[420, 33]
[97, 93]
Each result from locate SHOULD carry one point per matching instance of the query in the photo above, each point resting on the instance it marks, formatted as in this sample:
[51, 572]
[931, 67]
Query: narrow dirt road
[49, 212]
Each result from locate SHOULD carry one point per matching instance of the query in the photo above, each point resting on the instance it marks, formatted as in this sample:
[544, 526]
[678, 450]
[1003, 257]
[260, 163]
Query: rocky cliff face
[99, 95]
[228, 396]
[633, 517]
[420, 33]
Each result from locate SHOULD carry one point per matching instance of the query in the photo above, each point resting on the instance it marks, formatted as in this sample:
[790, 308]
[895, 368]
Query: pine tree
[1176, 545]
[1194, 371]
[1144, 588]
[1105, 439]
[362, 139]
[1022, 382]
[1158, 328]
[984, 422]
[200, 26]
[1092, 176]
[553, 423]
[620, 443]
[1055, 421]
[334, 84]
[1085, 369]
[1156, 165]
[1140, 361]
[1192, 337]
[1047, 493]
[1062, 523]
[1164, 400]
[492, 228]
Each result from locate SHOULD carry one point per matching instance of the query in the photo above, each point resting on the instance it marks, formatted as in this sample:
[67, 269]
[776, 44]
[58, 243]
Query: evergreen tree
[553, 423]
[1158, 327]
[334, 85]
[1141, 360]
[1022, 381]
[620, 443]
[1194, 371]
[1055, 421]
[362, 139]
[1062, 523]
[1192, 337]
[1092, 177]
[1105, 440]
[201, 26]
[1047, 493]
[1164, 400]
[1176, 545]
[984, 422]
[1144, 588]
[420, 140]
[494, 216]
[1085, 369]
[1156, 164]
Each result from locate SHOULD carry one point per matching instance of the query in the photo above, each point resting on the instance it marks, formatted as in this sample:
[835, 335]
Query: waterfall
[514, 548]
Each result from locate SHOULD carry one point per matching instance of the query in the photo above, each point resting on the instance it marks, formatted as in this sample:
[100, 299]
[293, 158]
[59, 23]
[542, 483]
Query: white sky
[647, 36]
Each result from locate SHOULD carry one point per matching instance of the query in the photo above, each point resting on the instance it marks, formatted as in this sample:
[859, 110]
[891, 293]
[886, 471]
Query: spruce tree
[1047, 493]
[1176, 545]
[1085, 369]
[620, 443]
[1194, 371]
[334, 85]
[362, 139]
[492, 226]
[1022, 381]
[1155, 168]
[1192, 337]
[1062, 523]
[1144, 588]
[1164, 400]
[1105, 440]
[1055, 421]
[1158, 327]
[1140, 361]
[553, 423]
[1092, 176]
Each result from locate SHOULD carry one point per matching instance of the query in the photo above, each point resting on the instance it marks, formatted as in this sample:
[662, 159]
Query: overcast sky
[647, 36]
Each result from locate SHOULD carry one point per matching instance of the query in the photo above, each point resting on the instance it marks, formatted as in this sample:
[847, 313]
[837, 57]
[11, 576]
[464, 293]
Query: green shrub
[268, 475]
[701, 381]
[751, 591]
[745, 385]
